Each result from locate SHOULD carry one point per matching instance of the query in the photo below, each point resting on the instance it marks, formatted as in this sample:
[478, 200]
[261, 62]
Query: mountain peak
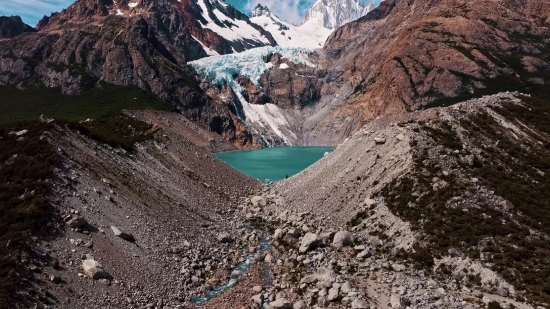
[333, 14]
[12, 26]
[260, 10]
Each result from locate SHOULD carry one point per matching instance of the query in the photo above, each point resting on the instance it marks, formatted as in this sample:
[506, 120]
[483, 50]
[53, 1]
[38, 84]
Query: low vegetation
[516, 168]
[26, 164]
[27, 161]
[108, 99]
[96, 113]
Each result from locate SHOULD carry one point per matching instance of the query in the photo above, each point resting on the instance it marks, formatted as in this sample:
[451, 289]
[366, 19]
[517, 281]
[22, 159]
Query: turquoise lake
[273, 164]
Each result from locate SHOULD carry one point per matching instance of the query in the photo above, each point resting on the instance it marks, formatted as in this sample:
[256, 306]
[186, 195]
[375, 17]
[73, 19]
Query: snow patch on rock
[220, 70]
[240, 30]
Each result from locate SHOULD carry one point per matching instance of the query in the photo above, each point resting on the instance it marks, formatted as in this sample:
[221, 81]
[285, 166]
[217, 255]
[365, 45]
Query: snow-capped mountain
[332, 14]
[308, 35]
[216, 25]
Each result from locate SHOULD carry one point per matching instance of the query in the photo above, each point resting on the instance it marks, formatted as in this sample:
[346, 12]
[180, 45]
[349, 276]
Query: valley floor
[400, 215]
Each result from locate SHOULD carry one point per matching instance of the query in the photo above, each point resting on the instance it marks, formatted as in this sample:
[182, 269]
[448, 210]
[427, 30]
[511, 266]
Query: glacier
[221, 69]
[264, 120]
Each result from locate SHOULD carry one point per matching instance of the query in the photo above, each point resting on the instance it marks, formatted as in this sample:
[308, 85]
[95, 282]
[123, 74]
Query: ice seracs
[267, 119]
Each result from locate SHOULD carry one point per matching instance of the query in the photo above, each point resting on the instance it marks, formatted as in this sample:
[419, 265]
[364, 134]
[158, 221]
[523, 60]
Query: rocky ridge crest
[12, 26]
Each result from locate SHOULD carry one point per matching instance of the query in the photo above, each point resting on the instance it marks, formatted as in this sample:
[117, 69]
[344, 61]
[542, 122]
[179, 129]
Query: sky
[33, 10]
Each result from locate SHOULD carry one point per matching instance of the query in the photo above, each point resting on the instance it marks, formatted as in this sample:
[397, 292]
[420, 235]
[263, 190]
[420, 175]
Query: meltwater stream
[235, 274]
[269, 164]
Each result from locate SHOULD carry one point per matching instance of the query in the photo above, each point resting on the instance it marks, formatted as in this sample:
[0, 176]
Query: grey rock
[342, 238]
[258, 299]
[309, 242]
[224, 238]
[268, 258]
[333, 294]
[93, 270]
[120, 233]
[281, 303]
[359, 304]
[364, 254]
[257, 288]
[293, 233]
[398, 302]
[507, 206]
[502, 291]
[321, 274]
[76, 222]
[345, 288]
[258, 201]
[299, 305]
[370, 203]
[55, 279]
[278, 234]
[398, 267]
[453, 252]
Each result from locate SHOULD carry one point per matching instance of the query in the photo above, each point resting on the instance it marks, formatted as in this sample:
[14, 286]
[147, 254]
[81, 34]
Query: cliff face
[12, 26]
[143, 43]
[406, 55]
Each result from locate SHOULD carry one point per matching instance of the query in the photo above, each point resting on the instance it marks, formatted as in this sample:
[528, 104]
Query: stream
[235, 274]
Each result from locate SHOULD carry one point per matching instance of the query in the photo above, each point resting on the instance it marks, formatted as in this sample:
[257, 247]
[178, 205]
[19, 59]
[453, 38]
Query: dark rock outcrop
[12, 26]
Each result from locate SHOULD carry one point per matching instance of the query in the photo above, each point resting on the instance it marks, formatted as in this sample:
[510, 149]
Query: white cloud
[288, 10]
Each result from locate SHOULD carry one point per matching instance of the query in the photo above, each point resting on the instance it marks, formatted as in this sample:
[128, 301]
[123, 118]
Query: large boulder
[342, 238]
[76, 222]
[258, 299]
[398, 267]
[224, 238]
[359, 304]
[122, 234]
[322, 274]
[93, 269]
[279, 233]
[507, 206]
[502, 291]
[364, 254]
[333, 294]
[346, 287]
[258, 201]
[398, 302]
[281, 303]
[309, 242]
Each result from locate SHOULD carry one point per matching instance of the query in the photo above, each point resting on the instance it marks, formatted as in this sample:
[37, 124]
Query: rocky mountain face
[12, 26]
[143, 43]
[152, 220]
[437, 209]
[408, 55]
[332, 14]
